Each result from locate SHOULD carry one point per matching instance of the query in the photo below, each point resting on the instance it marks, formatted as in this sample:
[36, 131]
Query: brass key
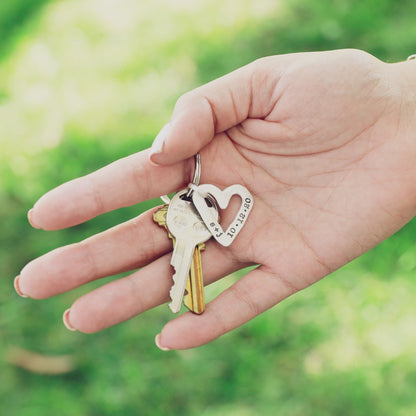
[194, 300]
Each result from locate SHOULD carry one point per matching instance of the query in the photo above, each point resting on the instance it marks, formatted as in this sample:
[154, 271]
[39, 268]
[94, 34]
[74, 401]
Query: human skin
[324, 141]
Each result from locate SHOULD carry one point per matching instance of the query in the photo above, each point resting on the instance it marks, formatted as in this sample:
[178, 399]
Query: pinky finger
[253, 294]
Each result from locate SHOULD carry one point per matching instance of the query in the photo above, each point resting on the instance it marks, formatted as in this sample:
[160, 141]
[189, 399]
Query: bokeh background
[84, 82]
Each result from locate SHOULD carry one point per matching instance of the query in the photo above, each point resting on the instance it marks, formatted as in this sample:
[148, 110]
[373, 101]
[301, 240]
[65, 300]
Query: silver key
[185, 224]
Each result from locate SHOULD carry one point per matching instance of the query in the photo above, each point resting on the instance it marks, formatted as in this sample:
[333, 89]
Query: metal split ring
[197, 174]
[195, 180]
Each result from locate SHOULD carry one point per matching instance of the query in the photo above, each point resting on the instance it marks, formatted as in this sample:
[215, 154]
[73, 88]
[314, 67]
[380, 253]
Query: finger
[122, 183]
[256, 292]
[127, 246]
[125, 298]
[211, 109]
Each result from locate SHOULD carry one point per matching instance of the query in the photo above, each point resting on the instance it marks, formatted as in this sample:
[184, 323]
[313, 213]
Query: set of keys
[191, 218]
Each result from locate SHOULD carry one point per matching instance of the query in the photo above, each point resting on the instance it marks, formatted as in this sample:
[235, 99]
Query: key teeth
[175, 262]
[174, 308]
[171, 291]
[174, 278]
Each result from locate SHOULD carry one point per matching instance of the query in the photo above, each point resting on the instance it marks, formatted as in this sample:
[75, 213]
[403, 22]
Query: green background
[84, 82]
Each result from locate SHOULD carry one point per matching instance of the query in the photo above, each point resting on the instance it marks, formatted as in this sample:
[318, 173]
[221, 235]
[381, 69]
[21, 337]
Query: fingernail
[159, 142]
[30, 218]
[17, 287]
[65, 318]
[159, 345]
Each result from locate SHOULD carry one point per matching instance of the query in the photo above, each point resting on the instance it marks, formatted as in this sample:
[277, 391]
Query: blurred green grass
[83, 83]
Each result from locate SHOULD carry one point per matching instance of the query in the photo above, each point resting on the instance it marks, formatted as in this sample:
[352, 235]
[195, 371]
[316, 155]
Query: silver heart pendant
[222, 198]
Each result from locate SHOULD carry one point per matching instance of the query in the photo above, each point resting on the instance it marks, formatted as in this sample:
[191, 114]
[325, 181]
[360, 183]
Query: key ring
[197, 175]
[195, 180]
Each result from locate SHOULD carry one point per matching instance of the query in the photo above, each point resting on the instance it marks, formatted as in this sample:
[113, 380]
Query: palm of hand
[322, 165]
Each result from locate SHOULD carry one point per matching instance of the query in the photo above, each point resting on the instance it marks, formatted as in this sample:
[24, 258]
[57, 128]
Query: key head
[184, 222]
[159, 216]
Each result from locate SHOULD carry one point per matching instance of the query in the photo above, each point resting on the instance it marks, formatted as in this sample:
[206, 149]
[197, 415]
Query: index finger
[122, 183]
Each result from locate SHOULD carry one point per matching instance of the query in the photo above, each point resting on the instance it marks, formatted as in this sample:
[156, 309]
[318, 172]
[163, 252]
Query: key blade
[182, 264]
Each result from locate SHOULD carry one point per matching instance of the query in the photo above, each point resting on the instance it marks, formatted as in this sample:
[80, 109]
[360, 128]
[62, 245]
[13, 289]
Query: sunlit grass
[90, 81]
[107, 67]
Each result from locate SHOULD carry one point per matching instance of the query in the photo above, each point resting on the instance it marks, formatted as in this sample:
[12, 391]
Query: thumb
[202, 113]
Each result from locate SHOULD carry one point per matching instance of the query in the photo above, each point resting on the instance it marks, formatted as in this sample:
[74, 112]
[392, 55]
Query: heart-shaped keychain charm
[199, 195]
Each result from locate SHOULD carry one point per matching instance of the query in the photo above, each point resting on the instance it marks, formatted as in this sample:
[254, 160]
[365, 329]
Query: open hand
[322, 142]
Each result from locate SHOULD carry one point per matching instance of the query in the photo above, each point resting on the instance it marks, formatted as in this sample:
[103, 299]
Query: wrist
[404, 85]
[404, 75]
